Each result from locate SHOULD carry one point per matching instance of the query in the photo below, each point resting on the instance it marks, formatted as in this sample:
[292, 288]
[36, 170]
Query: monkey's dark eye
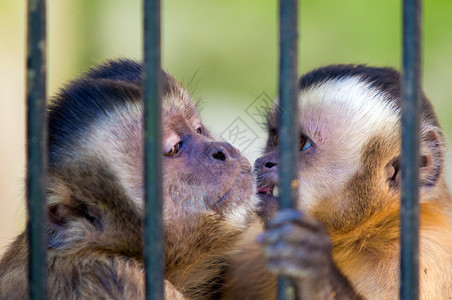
[304, 143]
[174, 150]
[275, 139]
[199, 130]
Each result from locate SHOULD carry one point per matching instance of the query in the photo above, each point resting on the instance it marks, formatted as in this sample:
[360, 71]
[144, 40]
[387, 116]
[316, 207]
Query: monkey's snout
[221, 152]
[219, 155]
[266, 164]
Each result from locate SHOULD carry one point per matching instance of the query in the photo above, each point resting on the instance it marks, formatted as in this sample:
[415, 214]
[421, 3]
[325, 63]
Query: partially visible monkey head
[96, 189]
[349, 152]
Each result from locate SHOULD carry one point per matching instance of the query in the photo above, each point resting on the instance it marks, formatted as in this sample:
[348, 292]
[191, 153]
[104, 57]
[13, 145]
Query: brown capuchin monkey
[344, 242]
[95, 194]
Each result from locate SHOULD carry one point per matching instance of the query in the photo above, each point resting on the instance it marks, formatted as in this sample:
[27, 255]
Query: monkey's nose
[265, 163]
[218, 152]
[219, 155]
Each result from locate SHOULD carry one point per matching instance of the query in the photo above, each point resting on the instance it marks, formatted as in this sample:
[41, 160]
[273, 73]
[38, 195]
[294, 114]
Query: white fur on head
[341, 116]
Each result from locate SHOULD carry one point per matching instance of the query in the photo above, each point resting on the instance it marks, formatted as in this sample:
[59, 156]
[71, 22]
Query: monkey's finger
[301, 262]
[293, 216]
[284, 216]
[286, 232]
[297, 235]
[269, 237]
[287, 268]
[304, 255]
[279, 250]
[290, 233]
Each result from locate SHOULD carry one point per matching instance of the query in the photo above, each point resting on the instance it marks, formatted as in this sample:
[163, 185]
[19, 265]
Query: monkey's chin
[224, 197]
[267, 207]
[239, 194]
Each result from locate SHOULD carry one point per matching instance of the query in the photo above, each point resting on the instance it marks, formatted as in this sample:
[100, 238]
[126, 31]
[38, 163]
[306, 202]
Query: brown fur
[94, 274]
[368, 256]
[362, 214]
[95, 194]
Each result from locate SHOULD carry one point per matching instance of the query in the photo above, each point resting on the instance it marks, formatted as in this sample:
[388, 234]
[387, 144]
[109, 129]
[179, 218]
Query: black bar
[153, 229]
[411, 107]
[36, 148]
[288, 122]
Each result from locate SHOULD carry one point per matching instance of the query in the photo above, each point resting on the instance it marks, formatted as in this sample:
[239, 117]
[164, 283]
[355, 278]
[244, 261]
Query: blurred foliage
[232, 45]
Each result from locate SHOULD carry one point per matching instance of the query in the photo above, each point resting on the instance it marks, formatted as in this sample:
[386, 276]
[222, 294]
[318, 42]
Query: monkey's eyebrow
[303, 129]
[313, 132]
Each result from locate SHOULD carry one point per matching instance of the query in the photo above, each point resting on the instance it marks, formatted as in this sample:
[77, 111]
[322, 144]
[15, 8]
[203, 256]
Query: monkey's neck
[196, 255]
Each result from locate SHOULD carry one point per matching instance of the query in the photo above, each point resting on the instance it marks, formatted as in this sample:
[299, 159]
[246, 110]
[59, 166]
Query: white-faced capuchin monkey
[95, 194]
[344, 244]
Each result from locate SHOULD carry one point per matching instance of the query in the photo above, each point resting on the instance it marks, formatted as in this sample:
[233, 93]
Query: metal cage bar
[153, 228]
[411, 107]
[36, 148]
[288, 121]
[153, 234]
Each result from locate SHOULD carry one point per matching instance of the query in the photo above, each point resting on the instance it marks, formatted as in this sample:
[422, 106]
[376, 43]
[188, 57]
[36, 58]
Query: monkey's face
[202, 175]
[341, 126]
[96, 168]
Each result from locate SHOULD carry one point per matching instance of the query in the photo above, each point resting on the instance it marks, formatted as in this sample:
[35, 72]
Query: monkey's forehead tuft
[105, 93]
[384, 81]
[381, 78]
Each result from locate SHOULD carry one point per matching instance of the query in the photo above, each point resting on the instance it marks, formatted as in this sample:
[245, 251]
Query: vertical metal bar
[153, 229]
[411, 107]
[288, 122]
[36, 148]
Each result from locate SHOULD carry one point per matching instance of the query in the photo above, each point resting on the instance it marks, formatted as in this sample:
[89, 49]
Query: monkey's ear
[58, 203]
[431, 161]
[432, 157]
[392, 171]
[59, 215]
[62, 213]
[69, 218]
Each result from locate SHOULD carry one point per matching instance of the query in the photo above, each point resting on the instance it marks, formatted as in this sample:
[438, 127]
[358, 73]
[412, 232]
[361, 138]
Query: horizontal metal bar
[36, 148]
[411, 107]
[288, 119]
[153, 231]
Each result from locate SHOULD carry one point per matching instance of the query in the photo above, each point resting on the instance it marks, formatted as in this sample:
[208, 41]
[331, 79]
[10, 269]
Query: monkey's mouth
[272, 190]
[269, 201]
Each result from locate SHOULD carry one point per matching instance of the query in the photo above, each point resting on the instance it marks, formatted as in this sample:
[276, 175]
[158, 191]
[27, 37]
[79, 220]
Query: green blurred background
[225, 51]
